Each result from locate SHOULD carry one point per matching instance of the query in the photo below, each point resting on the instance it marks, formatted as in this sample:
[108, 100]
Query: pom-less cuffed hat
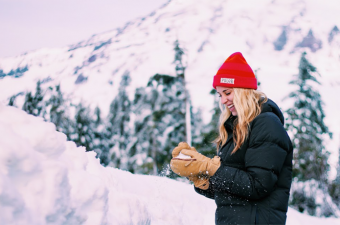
[235, 72]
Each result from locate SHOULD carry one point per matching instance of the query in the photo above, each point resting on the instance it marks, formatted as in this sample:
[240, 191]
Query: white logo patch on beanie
[227, 80]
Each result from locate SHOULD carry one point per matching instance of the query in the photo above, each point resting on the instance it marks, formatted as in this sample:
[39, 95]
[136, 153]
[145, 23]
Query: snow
[45, 179]
[209, 30]
[182, 156]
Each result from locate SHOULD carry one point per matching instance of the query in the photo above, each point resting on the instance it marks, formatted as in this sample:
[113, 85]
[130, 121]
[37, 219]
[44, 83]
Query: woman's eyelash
[224, 93]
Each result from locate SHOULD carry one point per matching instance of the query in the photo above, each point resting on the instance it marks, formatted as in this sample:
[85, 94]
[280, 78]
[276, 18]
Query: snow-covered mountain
[271, 34]
[45, 179]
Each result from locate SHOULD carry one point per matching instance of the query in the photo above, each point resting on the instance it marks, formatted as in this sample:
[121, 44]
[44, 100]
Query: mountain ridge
[209, 31]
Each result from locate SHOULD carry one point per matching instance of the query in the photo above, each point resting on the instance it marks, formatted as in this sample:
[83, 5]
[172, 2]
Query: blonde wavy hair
[247, 103]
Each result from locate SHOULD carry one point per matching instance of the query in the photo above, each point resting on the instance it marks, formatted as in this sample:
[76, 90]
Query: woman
[251, 175]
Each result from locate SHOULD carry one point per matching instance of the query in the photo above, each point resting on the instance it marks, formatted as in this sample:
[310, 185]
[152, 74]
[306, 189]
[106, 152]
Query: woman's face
[227, 97]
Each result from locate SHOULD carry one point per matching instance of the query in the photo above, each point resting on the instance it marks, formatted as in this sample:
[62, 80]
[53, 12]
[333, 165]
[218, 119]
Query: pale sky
[32, 24]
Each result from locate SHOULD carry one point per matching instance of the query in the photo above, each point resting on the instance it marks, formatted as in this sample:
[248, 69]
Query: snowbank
[46, 180]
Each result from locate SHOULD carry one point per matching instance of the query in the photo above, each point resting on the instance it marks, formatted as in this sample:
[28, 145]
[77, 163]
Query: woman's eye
[219, 96]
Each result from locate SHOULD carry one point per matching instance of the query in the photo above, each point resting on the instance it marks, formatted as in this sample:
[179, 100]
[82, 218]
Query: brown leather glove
[197, 165]
[201, 182]
[179, 148]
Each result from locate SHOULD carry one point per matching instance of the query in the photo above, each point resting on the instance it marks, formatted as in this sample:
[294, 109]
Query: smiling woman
[227, 98]
[30, 24]
[251, 175]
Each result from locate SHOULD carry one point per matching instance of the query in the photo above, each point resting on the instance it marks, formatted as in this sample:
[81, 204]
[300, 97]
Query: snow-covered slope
[271, 34]
[46, 180]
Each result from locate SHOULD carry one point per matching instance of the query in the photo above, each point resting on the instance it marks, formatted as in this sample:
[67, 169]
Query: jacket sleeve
[209, 193]
[268, 146]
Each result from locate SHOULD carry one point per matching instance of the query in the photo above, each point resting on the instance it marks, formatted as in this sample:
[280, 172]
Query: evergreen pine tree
[52, 108]
[306, 123]
[163, 119]
[11, 101]
[57, 111]
[117, 131]
[159, 124]
[337, 178]
[34, 104]
[99, 138]
[82, 128]
[334, 187]
[256, 72]
[177, 120]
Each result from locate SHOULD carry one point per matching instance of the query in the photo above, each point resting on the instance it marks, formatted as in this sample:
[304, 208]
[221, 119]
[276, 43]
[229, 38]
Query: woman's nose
[224, 100]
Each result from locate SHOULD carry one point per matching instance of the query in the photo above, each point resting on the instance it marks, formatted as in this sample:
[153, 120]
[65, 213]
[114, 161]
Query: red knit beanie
[235, 72]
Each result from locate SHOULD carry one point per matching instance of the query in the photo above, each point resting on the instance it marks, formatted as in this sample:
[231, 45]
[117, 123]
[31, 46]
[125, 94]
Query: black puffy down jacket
[252, 185]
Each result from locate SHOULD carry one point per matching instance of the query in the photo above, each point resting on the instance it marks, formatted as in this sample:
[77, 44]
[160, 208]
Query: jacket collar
[230, 123]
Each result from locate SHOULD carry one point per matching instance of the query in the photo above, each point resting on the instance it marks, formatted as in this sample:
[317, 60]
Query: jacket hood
[271, 106]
